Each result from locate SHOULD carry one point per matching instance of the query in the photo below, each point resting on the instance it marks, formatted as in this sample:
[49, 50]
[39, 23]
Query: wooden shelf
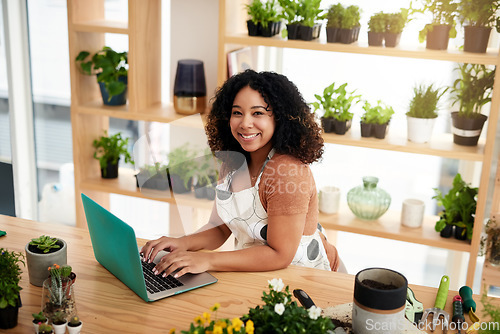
[101, 26]
[441, 145]
[125, 184]
[389, 226]
[420, 52]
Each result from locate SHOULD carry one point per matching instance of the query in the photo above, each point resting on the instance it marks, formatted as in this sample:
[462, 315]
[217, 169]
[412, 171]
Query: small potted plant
[41, 253]
[375, 120]
[57, 294]
[459, 209]
[59, 322]
[74, 325]
[45, 329]
[206, 176]
[289, 13]
[422, 112]
[10, 298]
[350, 25]
[472, 90]
[336, 104]
[108, 150]
[493, 242]
[153, 177]
[39, 318]
[376, 29]
[111, 68]
[442, 27]
[264, 18]
[334, 20]
[181, 168]
[310, 13]
[395, 24]
[478, 17]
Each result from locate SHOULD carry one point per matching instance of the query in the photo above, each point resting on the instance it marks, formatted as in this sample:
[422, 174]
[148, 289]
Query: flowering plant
[279, 315]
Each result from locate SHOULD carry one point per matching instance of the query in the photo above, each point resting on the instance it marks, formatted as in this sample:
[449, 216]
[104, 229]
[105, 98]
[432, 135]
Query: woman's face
[252, 120]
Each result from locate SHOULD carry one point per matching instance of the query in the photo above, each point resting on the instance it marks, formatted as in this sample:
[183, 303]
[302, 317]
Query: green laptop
[115, 248]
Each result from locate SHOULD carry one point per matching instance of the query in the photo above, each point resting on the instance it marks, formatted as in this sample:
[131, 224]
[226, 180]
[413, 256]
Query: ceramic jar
[368, 201]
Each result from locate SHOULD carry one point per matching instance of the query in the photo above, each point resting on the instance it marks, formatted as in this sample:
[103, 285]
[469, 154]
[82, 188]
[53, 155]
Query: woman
[267, 200]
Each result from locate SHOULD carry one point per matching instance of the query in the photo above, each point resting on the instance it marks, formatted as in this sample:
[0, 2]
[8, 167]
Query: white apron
[245, 216]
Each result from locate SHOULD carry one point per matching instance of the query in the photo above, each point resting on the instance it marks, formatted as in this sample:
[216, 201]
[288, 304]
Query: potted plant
[375, 120]
[39, 318]
[310, 12]
[350, 25]
[42, 252]
[334, 20]
[74, 325]
[493, 242]
[264, 18]
[395, 23]
[472, 90]
[459, 208]
[206, 176]
[422, 112]
[376, 29]
[45, 329]
[181, 168]
[10, 298]
[478, 17]
[442, 27]
[153, 177]
[108, 150]
[111, 68]
[57, 294]
[289, 13]
[336, 104]
[59, 322]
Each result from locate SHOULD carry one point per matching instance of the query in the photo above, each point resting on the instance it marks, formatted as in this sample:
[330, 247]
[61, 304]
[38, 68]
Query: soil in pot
[476, 39]
[438, 38]
[378, 285]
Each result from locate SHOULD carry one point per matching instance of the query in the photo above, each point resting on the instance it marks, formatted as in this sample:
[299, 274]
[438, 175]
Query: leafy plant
[424, 103]
[39, 317]
[336, 102]
[351, 17]
[492, 313]
[459, 206]
[58, 318]
[206, 172]
[395, 22]
[472, 89]
[263, 13]
[109, 66]
[334, 15]
[378, 114]
[45, 243]
[289, 10]
[444, 12]
[45, 329]
[182, 161]
[110, 148]
[480, 13]
[377, 22]
[309, 12]
[10, 275]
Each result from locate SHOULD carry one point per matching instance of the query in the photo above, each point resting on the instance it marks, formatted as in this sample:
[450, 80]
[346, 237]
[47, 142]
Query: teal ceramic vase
[368, 201]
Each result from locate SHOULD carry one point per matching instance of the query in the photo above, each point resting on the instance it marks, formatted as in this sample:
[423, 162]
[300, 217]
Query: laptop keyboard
[158, 283]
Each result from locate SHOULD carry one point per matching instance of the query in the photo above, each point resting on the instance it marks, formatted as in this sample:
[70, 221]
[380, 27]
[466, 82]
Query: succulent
[74, 321]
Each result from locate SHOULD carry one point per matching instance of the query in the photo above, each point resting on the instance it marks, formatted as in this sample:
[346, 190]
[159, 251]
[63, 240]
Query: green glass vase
[367, 201]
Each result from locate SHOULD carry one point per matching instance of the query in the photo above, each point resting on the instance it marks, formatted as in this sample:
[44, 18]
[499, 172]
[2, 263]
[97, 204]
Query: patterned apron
[244, 215]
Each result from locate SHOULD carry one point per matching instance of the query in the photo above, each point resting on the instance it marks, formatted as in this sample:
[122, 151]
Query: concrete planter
[38, 264]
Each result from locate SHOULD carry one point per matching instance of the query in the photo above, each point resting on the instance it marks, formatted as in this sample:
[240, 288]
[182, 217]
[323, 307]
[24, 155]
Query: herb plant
[336, 102]
[459, 206]
[289, 10]
[45, 243]
[182, 161]
[263, 13]
[334, 15]
[109, 66]
[10, 275]
[424, 103]
[395, 22]
[378, 114]
[480, 13]
[377, 22]
[351, 17]
[108, 149]
[309, 11]
[444, 12]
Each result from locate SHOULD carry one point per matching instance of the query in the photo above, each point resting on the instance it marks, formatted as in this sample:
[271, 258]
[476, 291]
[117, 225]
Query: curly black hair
[297, 133]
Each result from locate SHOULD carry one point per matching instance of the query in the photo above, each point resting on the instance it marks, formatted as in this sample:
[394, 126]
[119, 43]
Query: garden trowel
[438, 310]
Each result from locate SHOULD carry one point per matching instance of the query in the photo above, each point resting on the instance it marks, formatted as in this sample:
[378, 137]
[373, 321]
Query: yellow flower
[198, 320]
[237, 323]
[217, 329]
[229, 329]
[172, 331]
[249, 327]
[221, 323]
[206, 316]
[215, 307]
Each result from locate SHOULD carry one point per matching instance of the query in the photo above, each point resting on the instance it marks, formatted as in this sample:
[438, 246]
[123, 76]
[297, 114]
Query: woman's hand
[152, 247]
[184, 262]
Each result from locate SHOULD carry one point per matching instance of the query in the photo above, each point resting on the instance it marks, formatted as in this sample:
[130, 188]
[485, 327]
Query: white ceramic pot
[420, 129]
[75, 330]
[59, 329]
[329, 200]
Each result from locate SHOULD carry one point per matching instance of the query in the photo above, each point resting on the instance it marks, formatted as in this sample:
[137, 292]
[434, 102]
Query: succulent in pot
[41, 253]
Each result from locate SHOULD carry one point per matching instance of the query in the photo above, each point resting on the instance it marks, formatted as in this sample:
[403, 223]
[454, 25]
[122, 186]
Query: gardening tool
[469, 306]
[438, 310]
[414, 308]
[303, 298]
[458, 312]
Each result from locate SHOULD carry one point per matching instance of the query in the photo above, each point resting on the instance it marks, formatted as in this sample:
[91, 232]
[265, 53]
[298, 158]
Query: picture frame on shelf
[239, 60]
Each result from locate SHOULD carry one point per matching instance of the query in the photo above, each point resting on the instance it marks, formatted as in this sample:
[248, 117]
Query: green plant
[377, 22]
[109, 66]
[472, 89]
[44, 329]
[110, 148]
[336, 102]
[263, 13]
[491, 312]
[74, 321]
[10, 275]
[395, 22]
[334, 15]
[206, 170]
[480, 13]
[459, 206]
[181, 161]
[424, 103]
[58, 318]
[39, 317]
[59, 285]
[289, 10]
[444, 12]
[378, 114]
[351, 18]
[309, 12]
[490, 243]
[45, 243]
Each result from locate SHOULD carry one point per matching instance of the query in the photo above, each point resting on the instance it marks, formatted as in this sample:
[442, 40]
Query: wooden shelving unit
[233, 35]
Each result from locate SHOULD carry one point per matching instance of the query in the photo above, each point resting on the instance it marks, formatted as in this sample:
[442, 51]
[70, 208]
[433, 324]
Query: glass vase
[58, 295]
[368, 201]
[493, 254]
